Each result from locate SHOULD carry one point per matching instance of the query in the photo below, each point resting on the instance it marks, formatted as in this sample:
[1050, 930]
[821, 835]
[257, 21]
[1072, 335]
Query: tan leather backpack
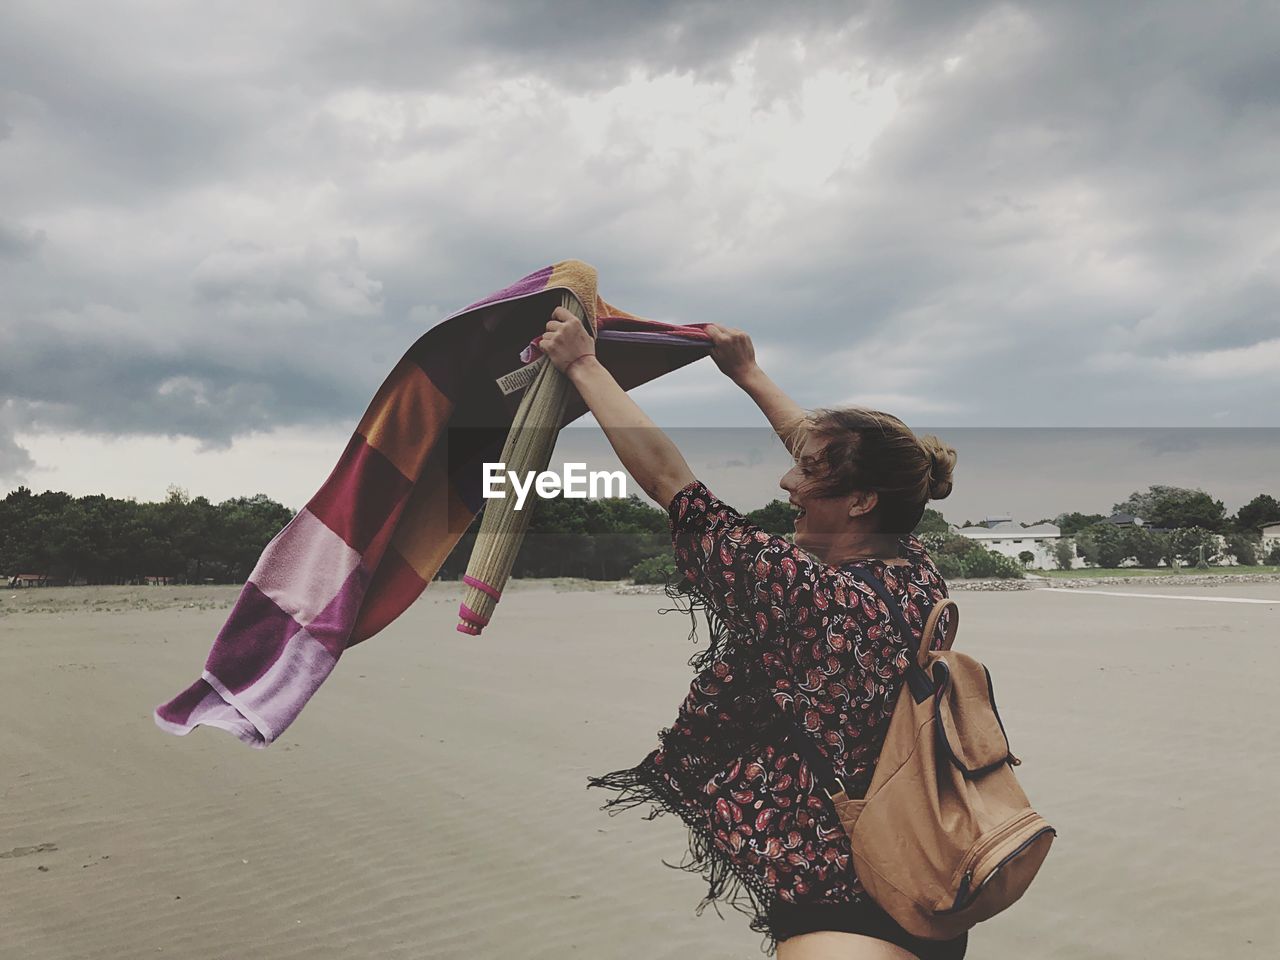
[944, 837]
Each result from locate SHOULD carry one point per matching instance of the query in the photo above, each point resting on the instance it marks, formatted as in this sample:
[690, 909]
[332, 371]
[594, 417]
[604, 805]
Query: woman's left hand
[566, 339]
[732, 351]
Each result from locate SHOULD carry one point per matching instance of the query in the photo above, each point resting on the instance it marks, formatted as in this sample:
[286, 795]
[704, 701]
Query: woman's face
[821, 518]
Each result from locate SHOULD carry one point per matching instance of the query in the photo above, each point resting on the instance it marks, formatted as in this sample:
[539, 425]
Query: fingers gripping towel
[406, 488]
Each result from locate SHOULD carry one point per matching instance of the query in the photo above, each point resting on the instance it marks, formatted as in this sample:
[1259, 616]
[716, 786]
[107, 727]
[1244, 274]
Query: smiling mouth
[799, 508]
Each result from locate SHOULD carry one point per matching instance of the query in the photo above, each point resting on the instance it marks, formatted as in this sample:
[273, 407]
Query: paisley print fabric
[791, 637]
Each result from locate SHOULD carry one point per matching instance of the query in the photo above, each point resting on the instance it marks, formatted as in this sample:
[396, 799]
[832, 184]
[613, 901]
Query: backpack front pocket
[999, 867]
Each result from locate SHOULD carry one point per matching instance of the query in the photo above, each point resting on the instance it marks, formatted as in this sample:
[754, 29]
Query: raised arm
[749, 577]
[648, 454]
[734, 354]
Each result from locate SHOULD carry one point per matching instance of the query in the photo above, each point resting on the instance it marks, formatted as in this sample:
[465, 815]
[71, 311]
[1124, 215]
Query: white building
[1270, 538]
[1005, 536]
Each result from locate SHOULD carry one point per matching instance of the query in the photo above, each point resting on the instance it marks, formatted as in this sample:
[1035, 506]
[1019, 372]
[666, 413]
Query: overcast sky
[222, 223]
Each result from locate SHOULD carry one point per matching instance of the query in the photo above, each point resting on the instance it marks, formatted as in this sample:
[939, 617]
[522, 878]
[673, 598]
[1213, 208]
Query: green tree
[1244, 548]
[1189, 508]
[960, 556]
[194, 534]
[659, 569]
[1261, 509]
[107, 540]
[1175, 507]
[1027, 558]
[1142, 503]
[987, 563]
[1102, 545]
[600, 538]
[1072, 523]
[777, 516]
[15, 512]
[1146, 547]
[1185, 544]
[240, 528]
[1064, 554]
[931, 522]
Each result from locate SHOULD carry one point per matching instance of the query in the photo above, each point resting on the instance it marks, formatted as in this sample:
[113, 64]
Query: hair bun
[942, 461]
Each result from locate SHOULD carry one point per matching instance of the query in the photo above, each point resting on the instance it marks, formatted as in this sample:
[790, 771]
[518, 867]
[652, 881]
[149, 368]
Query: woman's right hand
[732, 351]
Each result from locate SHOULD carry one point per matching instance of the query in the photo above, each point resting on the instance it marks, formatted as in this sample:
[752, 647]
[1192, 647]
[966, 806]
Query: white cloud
[1256, 360]
[144, 467]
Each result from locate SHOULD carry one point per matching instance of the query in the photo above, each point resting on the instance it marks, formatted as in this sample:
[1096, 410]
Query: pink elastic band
[468, 628]
[481, 586]
[468, 614]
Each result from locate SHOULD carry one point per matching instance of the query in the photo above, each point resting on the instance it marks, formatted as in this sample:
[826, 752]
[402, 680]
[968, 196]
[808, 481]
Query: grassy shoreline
[1090, 573]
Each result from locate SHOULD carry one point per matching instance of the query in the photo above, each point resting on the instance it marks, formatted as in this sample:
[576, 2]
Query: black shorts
[864, 917]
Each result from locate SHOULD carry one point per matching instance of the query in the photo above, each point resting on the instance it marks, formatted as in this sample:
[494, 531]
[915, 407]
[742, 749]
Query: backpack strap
[823, 770]
[917, 677]
[918, 681]
[931, 625]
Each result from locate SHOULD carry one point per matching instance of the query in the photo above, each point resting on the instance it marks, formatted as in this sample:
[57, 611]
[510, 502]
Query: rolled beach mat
[528, 448]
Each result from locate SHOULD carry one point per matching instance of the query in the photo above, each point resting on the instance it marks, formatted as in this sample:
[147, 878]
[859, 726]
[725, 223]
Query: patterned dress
[790, 636]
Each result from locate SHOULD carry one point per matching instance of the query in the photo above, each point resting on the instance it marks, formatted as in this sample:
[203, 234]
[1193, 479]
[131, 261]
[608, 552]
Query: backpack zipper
[964, 896]
[975, 856]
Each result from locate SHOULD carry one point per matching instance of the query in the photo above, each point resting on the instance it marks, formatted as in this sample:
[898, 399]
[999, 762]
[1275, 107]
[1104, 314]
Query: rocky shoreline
[1039, 583]
[1172, 580]
[120, 599]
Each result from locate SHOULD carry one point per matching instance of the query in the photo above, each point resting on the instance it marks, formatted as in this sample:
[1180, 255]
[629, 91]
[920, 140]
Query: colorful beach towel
[406, 488]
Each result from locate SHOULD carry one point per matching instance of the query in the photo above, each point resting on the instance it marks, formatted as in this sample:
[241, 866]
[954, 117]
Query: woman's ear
[863, 502]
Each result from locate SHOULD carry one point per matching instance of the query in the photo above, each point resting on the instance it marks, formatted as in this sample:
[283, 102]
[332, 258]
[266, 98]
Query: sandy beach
[431, 800]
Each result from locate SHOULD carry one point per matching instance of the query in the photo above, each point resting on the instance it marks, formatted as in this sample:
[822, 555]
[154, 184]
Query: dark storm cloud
[230, 219]
[155, 394]
[249, 339]
[1096, 186]
[14, 460]
[585, 44]
[100, 108]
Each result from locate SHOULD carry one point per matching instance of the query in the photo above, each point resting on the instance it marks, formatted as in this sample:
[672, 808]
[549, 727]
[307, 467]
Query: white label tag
[519, 378]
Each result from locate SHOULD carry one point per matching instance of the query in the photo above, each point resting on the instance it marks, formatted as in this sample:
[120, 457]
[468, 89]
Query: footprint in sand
[27, 851]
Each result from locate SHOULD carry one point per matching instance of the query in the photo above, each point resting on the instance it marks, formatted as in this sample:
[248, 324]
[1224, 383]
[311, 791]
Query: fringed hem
[760, 721]
[747, 894]
[720, 634]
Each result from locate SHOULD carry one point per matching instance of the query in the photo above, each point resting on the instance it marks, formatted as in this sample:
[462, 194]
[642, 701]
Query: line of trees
[98, 539]
[1172, 508]
[1181, 524]
[106, 540]
[599, 539]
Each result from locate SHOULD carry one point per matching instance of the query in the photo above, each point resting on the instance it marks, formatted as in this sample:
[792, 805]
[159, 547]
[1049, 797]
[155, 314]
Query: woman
[798, 642]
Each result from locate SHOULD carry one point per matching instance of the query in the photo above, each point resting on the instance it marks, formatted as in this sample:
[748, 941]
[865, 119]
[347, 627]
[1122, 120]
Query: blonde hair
[872, 450]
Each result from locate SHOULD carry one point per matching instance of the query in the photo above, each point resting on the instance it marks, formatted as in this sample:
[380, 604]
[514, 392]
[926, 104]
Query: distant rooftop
[1006, 525]
[1126, 520]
